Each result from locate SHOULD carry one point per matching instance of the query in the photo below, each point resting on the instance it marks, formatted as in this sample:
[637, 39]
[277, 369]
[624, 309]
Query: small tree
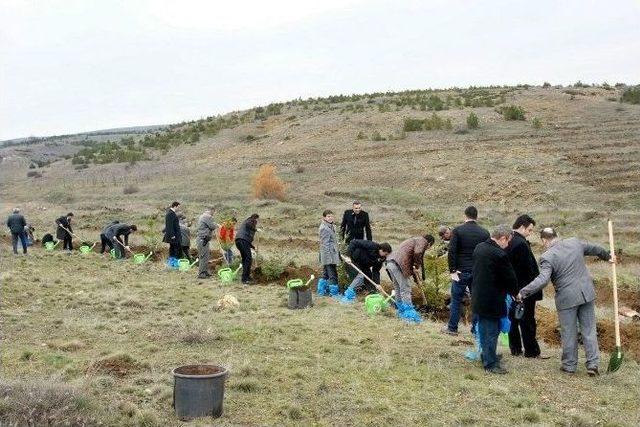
[472, 121]
[267, 185]
[536, 123]
[631, 95]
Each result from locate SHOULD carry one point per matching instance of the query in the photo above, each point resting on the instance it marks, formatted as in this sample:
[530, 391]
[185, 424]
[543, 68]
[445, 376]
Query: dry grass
[267, 185]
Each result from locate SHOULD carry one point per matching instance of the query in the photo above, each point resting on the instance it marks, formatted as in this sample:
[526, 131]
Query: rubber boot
[349, 296]
[408, 313]
[334, 290]
[323, 287]
[172, 263]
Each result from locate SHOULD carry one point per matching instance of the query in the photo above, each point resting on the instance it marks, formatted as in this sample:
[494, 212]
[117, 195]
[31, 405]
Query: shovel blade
[616, 360]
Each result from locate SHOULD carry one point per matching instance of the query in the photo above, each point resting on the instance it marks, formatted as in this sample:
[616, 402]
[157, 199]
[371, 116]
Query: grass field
[113, 331]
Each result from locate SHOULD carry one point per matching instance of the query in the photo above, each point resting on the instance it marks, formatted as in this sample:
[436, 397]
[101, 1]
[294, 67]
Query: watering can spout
[148, 256]
[237, 269]
[194, 262]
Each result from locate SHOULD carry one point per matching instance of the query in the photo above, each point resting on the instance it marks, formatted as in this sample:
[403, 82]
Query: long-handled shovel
[68, 231]
[125, 247]
[378, 287]
[616, 356]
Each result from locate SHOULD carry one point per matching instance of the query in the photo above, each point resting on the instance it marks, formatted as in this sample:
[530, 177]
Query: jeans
[489, 330]
[245, 253]
[330, 273]
[228, 255]
[458, 290]
[23, 241]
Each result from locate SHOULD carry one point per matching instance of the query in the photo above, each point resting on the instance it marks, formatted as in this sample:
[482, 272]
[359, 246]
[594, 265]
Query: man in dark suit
[172, 234]
[464, 239]
[493, 279]
[355, 224]
[523, 331]
[64, 231]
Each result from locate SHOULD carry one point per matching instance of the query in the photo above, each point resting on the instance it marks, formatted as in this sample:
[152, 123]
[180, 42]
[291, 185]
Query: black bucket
[198, 391]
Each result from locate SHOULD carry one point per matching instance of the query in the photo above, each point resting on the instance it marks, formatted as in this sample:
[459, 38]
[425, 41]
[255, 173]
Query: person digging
[368, 256]
[403, 264]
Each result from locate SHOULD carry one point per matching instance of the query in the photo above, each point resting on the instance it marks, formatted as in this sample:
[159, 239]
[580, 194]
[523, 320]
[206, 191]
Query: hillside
[571, 163]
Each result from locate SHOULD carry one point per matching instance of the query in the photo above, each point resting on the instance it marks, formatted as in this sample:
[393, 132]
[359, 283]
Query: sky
[70, 66]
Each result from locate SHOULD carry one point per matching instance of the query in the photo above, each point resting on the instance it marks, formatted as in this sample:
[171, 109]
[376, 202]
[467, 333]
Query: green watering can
[227, 275]
[141, 258]
[185, 265]
[85, 249]
[299, 283]
[113, 254]
[49, 246]
[376, 303]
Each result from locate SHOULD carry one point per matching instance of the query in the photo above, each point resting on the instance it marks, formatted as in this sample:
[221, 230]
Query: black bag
[518, 310]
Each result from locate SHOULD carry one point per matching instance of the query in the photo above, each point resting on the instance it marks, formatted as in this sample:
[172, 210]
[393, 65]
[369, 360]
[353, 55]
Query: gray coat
[185, 236]
[206, 227]
[563, 264]
[328, 244]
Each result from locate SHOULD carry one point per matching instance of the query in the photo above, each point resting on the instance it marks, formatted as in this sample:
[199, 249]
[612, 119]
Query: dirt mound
[119, 365]
[626, 297]
[549, 331]
[303, 272]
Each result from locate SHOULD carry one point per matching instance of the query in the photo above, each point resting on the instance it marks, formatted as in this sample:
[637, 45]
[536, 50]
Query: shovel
[616, 356]
[65, 229]
[378, 287]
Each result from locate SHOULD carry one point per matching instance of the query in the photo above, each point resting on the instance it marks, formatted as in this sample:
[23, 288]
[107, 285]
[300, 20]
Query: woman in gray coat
[329, 255]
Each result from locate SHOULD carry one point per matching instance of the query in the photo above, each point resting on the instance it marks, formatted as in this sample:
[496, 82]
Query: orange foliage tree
[267, 185]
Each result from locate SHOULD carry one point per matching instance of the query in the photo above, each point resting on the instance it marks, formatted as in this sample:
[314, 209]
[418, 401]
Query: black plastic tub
[198, 391]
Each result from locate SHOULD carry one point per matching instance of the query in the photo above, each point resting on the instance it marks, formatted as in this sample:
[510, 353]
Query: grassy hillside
[571, 163]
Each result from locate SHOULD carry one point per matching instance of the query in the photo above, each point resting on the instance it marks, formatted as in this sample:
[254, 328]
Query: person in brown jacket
[404, 263]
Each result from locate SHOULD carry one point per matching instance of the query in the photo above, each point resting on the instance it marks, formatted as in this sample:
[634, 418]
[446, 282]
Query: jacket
[464, 239]
[493, 279]
[328, 244]
[118, 230]
[16, 223]
[226, 236]
[410, 254]
[247, 231]
[60, 232]
[355, 226]
[171, 227]
[563, 264]
[523, 262]
[365, 254]
[185, 236]
[104, 230]
[206, 227]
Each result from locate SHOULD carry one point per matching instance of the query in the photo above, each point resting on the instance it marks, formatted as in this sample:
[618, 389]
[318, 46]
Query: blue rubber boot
[171, 261]
[323, 287]
[407, 313]
[349, 296]
[334, 290]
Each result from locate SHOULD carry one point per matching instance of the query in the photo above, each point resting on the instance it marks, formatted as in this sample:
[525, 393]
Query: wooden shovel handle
[614, 279]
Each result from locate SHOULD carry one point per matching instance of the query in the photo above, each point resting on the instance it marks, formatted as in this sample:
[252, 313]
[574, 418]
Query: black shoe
[499, 370]
[203, 276]
[516, 353]
[566, 371]
[593, 372]
[445, 330]
[247, 282]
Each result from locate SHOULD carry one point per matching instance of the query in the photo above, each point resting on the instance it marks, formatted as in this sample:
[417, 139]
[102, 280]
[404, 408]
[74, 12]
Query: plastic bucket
[139, 258]
[198, 391]
[85, 249]
[375, 303]
[184, 265]
[49, 246]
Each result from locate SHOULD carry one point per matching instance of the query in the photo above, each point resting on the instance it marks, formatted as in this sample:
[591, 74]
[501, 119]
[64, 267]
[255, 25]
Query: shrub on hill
[472, 121]
[631, 95]
[512, 112]
[267, 185]
[412, 125]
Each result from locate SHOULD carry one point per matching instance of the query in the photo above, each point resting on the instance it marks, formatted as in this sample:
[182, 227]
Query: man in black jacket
[64, 231]
[368, 256]
[118, 235]
[355, 224]
[17, 224]
[172, 234]
[464, 239]
[244, 243]
[523, 331]
[104, 241]
[493, 279]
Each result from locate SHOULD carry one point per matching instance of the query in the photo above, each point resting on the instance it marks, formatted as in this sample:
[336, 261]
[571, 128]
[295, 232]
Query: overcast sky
[69, 66]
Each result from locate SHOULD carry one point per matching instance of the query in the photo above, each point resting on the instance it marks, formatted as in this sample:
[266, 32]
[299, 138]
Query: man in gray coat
[563, 264]
[206, 228]
[16, 224]
[329, 255]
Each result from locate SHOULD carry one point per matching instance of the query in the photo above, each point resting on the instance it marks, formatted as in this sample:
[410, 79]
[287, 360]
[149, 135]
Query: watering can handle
[309, 281]
[237, 269]
[94, 245]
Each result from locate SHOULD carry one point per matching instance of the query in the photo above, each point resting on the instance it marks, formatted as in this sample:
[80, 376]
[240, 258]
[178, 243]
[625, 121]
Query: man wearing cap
[16, 224]
[563, 262]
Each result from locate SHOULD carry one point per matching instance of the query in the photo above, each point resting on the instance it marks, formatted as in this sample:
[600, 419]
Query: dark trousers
[245, 253]
[330, 273]
[489, 330]
[119, 249]
[14, 241]
[458, 290]
[67, 242]
[523, 331]
[175, 249]
[104, 243]
[185, 252]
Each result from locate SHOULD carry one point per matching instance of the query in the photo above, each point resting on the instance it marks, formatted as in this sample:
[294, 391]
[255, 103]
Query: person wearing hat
[563, 262]
[16, 224]
[64, 231]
